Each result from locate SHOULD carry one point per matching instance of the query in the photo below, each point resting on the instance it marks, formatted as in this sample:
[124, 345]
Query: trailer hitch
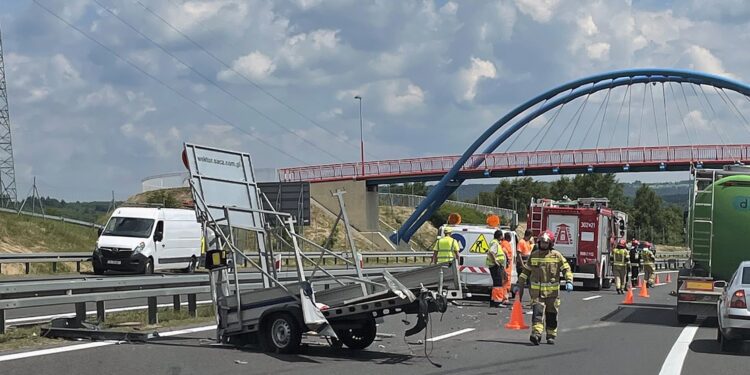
[427, 302]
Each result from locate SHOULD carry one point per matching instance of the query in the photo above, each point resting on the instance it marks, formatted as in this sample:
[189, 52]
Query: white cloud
[702, 59]
[538, 10]
[302, 48]
[469, 77]
[450, 8]
[254, 65]
[399, 100]
[587, 25]
[598, 51]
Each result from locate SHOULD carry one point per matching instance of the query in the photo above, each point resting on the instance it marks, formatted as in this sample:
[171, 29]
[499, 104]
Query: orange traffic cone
[516, 316]
[657, 279]
[628, 297]
[644, 290]
[669, 278]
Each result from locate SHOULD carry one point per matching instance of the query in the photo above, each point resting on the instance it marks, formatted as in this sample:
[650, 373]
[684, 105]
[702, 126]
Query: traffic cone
[669, 278]
[628, 297]
[644, 290]
[516, 317]
[656, 281]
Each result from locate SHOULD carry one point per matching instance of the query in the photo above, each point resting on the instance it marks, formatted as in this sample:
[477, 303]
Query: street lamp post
[361, 136]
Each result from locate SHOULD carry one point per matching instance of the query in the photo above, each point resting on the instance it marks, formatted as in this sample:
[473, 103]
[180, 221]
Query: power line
[244, 77]
[142, 71]
[215, 84]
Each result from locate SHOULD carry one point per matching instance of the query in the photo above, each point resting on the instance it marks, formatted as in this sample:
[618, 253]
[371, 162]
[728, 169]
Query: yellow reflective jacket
[620, 258]
[543, 272]
[647, 257]
[499, 256]
[446, 247]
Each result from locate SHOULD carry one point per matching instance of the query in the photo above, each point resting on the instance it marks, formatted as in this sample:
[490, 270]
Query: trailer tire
[686, 319]
[359, 338]
[281, 334]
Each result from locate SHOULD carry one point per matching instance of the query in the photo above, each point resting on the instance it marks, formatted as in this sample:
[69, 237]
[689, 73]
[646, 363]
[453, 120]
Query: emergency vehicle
[586, 230]
[475, 241]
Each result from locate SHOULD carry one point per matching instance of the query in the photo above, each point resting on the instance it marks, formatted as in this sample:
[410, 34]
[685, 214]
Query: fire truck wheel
[281, 334]
[359, 338]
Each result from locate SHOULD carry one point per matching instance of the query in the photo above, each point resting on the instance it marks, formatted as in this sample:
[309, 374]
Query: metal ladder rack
[703, 188]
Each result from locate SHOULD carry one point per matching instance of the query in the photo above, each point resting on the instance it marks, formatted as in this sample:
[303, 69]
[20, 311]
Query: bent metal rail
[554, 161]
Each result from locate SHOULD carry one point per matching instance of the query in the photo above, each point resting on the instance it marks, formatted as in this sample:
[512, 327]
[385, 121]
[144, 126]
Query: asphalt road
[597, 335]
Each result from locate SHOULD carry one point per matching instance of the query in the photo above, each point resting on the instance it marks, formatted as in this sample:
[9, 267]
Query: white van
[147, 239]
[475, 275]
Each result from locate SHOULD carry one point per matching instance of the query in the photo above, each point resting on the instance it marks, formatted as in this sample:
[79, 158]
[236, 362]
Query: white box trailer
[475, 241]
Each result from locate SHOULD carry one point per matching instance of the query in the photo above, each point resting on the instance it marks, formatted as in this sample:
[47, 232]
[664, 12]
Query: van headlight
[139, 248]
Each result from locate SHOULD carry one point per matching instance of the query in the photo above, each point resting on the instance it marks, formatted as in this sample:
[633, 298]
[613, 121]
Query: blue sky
[433, 76]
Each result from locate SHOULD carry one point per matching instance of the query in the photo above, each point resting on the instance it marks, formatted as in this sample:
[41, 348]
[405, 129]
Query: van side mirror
[99, 231]
[720, 284]
[158, 236]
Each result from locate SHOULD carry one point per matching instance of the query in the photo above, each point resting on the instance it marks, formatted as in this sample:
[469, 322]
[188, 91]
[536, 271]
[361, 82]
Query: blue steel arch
[584, 86]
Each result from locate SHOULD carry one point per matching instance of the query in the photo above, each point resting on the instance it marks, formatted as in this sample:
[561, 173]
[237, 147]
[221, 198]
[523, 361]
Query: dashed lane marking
[592, 297]
[676, 357]
[447, 335]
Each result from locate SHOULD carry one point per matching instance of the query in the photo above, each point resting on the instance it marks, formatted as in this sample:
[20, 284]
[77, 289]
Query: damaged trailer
[276, 317]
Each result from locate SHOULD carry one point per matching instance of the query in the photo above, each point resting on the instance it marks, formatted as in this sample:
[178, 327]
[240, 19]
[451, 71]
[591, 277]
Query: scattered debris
[420, 342]
[381, 346]
[491, 313]
[237, 361]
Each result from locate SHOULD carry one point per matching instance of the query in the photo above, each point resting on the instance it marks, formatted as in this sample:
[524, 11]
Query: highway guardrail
[80, 290]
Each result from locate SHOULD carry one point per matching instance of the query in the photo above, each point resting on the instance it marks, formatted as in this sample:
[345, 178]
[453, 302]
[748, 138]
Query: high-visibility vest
[499, 256]
[620, 257]
[445, 248]
[647, 257]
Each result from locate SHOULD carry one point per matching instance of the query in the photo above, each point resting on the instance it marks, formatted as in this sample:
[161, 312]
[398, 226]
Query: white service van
[475, 241]
[148, 239]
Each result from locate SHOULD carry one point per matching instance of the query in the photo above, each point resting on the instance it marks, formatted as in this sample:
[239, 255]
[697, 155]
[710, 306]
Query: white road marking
[447, 335]
[92, 312]
[660, 284]
[91, 345]
[676, 357]
[592, 297]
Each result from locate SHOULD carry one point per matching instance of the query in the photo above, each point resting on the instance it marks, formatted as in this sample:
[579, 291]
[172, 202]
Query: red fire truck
[586, 230]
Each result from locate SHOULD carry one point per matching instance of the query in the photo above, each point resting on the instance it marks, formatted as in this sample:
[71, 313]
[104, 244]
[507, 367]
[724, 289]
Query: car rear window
[746, 275]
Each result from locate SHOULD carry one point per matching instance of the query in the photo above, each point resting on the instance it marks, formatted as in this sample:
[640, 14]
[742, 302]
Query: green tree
[646, 218]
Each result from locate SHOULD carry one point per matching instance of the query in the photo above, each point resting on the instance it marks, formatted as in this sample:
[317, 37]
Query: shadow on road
[662, 315]
[516, 342]
[708, 346]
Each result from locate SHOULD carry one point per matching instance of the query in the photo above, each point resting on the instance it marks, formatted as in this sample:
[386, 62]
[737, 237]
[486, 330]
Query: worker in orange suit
[508, 250]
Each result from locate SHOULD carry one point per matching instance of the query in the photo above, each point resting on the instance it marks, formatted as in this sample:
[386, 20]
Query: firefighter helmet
[621, 244]
[547, 236]
[634, 243]
[647, 245]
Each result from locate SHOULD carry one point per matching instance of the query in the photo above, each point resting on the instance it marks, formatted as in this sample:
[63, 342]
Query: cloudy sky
[100, 103]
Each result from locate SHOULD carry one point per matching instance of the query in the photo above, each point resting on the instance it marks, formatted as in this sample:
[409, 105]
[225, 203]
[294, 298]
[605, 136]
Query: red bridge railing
[436, 165]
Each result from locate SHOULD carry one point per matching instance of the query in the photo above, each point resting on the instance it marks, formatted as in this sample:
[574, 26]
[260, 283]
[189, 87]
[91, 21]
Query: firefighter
[620, 260]
[446, 248]
[496, 262]
[635, 263]
[508, 250]
[647, 259]
[543, 272]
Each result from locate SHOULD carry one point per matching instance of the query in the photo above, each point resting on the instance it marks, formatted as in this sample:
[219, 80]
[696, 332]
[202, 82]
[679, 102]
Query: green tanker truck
[718, 230]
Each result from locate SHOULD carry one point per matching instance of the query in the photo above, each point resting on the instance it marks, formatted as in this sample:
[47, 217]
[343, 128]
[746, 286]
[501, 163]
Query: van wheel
[191, 267]
[148, 268]
[281, 334]
[606, 283]
[359, 338]
[98, 268]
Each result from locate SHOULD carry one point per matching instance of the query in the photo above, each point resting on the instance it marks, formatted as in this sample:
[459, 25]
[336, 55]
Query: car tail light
[738, 300]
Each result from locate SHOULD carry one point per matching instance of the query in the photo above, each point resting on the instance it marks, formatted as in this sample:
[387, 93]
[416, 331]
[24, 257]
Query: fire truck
[585, 230]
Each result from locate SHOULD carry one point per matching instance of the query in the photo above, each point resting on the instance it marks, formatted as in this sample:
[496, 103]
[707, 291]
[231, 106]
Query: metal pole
[355, 254]
[361, 136]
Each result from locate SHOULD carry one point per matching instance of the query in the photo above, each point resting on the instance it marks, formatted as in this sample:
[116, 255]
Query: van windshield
[129, 227]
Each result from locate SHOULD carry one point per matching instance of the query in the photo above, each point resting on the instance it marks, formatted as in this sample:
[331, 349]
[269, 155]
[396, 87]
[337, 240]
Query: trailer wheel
[281, 334]
[686, 319]
[359, 338]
